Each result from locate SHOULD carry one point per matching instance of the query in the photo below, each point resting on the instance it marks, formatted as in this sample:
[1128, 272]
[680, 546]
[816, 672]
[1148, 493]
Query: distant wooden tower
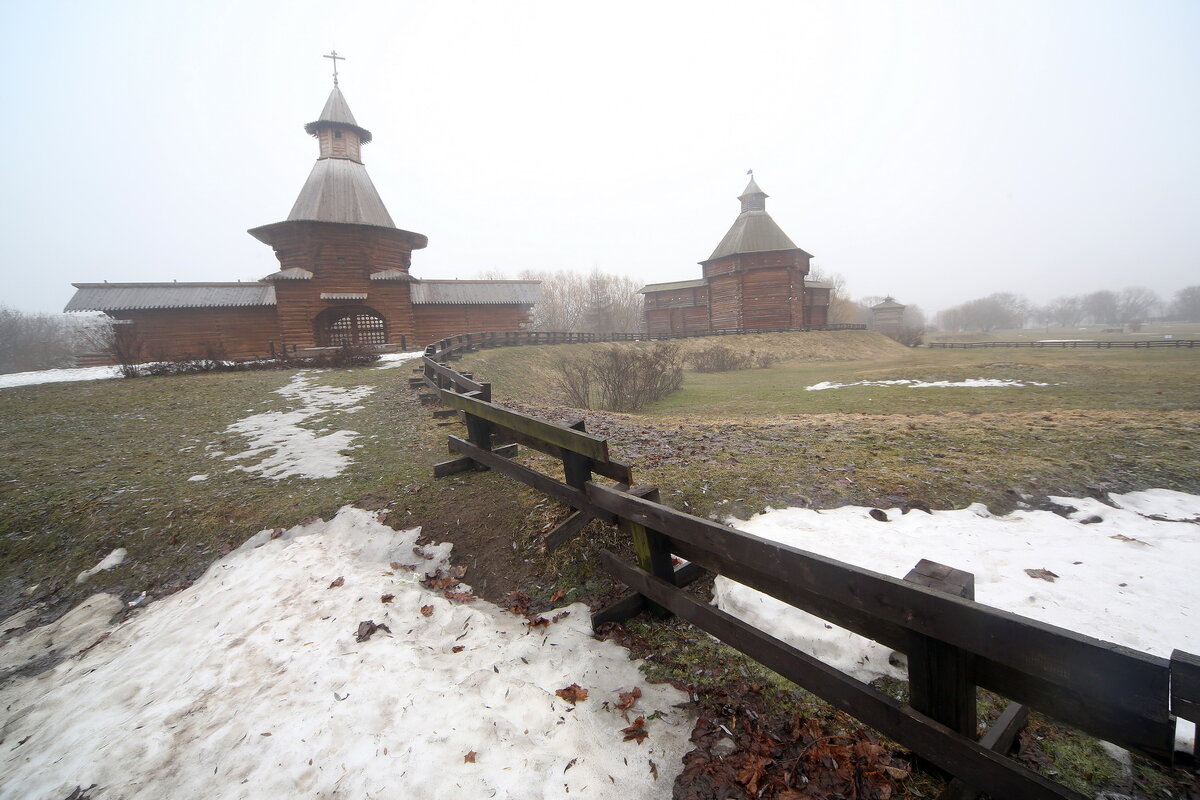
[343, 277]
[755, 278]
[888, 316]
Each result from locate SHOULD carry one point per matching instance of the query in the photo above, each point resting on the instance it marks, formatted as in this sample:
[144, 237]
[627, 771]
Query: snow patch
[973, 383]
[251, 684]
[1160, 503]
[58, 376]
[1118, 578]
[286, 448]
[70, 633]
[113, 559]
[393, 360]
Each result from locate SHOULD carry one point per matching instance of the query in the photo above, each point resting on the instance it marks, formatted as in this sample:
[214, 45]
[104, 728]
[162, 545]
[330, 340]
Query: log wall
[439, 321]
[181, 333]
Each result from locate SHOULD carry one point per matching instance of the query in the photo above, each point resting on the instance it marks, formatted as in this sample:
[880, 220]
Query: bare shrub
[908, 335]
[718, 358]
[573, 377]
[764, 360]
[619, 378]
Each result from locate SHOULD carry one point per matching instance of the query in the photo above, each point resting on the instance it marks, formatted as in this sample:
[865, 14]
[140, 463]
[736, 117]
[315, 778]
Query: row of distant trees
[41, 341]
[1132, 305]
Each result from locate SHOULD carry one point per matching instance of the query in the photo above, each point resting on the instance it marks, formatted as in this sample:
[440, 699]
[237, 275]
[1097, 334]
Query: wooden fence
[953, 644]
[1071, 344]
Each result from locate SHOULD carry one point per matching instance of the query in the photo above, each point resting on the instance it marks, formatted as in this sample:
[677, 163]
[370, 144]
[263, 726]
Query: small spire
[753, 198]
[336, 58]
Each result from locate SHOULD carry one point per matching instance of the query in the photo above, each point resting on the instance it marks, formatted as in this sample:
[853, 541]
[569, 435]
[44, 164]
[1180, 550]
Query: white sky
[937, 151]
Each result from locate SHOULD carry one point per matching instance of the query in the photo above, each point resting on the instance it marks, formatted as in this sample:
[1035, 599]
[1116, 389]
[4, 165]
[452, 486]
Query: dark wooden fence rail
[953, 643]
[1070, 344]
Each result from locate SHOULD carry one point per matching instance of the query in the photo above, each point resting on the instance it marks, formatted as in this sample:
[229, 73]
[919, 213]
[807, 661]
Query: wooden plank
[956, 754]
[543, 483]
[941, 677]
[567, 530]
[633, 603]
[442, 413]
[577, 468]
[998, 738]
[1185, 686]
[618, 471]
[575, 441]
[464, 464]
[1107, 690]
[457, 378]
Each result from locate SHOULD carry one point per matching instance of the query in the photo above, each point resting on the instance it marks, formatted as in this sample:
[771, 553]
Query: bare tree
[1186, 306]
[597, 302]
[1136, 304]
[35, 341]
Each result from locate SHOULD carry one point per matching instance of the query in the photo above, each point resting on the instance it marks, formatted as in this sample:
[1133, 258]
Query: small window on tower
[337, 134]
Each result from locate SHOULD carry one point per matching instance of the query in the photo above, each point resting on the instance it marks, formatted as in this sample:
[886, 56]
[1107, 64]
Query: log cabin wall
[767, 298]
[183, 333]
[342, 259]
[725, 307]
[437, 321]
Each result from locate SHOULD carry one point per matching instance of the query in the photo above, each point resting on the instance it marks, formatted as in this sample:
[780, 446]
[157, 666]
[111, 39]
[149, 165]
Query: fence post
[941, 677]
[651, 547]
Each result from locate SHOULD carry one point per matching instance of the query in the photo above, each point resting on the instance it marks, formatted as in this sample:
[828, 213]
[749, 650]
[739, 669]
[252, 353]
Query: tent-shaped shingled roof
[753, 231]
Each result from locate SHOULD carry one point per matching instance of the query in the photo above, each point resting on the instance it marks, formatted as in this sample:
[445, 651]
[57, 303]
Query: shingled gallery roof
[134, 296]
[476, 292]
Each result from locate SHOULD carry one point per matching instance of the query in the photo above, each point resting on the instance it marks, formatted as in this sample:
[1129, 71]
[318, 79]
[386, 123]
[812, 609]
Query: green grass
[1078, 379]
[1177, 330]
[98, 465]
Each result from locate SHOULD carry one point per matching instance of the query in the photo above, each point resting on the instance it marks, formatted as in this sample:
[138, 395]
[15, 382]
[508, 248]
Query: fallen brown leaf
[572, 694]
[367, 628]
[387, 598]
[469, 758]
[627, 699]
[426, 611]
[1044, 574]
[636, 732]
[459, 597]
[559, 595]
[338, 581]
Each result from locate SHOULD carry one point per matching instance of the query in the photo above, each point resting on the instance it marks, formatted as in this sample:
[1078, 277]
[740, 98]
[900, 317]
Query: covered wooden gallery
[343, 278]
[754, 279]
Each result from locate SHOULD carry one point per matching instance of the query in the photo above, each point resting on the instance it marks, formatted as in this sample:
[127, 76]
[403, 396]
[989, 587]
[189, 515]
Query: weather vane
[336, 58]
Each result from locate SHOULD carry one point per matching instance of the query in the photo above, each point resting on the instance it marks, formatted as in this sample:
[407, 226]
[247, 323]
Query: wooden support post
[577, 468]
[1185, 694]
[652, 548]
[465, 464]
[479, 432]
[941, 677]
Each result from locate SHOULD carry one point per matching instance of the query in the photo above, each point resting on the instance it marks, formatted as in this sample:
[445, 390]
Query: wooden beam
[454, 466]
[1185, 692]
[956, 754]
[633, 603]
[454, 376]
[567, 530]
[1105, 689]
[618, 471]
[998, 738]
[575, 441]
[543, 483]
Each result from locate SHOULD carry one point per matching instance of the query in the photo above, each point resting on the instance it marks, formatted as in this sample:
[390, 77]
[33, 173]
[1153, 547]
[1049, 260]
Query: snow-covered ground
[252, 684]
[284, 447]
[58, 376]
[1117, 573]
[973, 383]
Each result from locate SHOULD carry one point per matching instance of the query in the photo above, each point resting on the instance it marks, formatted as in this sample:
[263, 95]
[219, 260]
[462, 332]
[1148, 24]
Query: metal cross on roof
[336, 58]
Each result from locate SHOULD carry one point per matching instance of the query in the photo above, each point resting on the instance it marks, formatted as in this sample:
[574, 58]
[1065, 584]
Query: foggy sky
[936, 151]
